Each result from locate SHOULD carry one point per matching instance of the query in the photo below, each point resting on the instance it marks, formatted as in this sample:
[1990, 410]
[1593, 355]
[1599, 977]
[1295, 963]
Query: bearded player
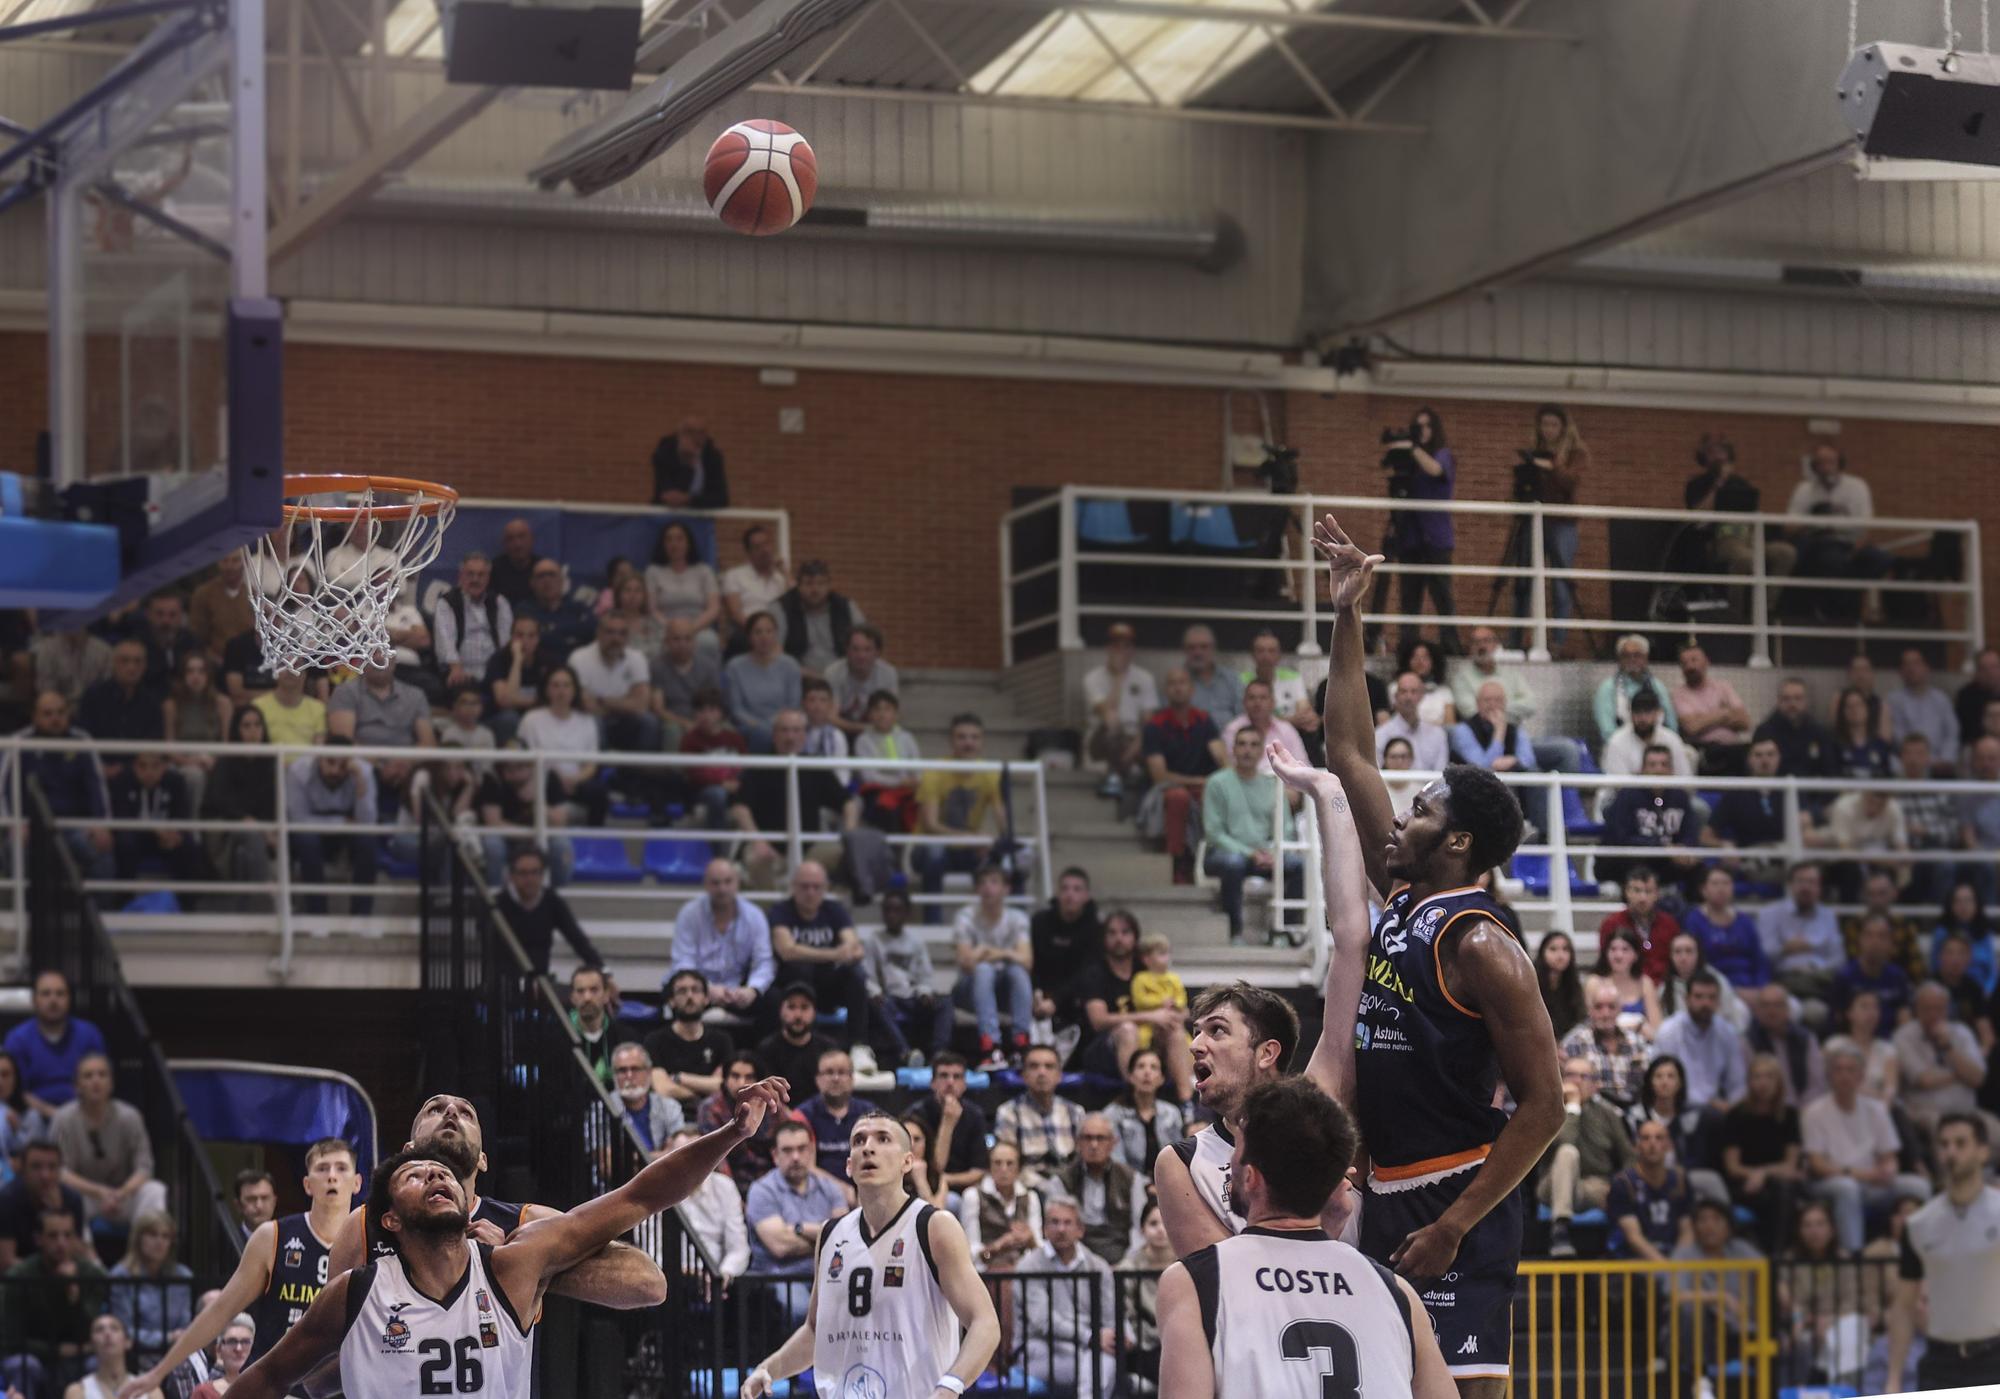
[1450, 1009]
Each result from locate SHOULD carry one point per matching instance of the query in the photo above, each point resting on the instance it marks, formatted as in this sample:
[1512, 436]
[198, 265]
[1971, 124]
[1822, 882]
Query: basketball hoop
[322, 583]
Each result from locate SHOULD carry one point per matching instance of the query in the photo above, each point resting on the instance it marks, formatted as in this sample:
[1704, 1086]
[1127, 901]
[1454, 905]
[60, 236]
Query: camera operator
[1420, 467]
[1549, 472]
[1719, 487]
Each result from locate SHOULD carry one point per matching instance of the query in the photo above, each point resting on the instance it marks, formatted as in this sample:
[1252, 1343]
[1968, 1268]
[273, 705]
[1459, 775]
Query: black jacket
[1062, 950]
[671, 474]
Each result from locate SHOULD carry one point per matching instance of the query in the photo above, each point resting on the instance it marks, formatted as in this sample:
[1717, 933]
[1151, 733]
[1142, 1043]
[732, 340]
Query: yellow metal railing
[1638, 1330]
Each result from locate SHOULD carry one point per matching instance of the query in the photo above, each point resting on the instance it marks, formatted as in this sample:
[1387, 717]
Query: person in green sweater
[1591, 1147]
[1238, 820]
[52, 1323]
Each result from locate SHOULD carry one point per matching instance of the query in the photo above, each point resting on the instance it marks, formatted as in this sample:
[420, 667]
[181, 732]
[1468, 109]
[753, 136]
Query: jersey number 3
[438, 1372]
[1342, 1380]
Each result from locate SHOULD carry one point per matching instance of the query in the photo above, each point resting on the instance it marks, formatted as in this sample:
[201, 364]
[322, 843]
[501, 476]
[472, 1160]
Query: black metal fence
[66, 933]
[45, 1323]
[1831, 1320]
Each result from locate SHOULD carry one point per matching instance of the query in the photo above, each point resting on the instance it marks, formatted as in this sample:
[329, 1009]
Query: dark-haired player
[443, 1313]
[1281, 1310]
[1450, 1007]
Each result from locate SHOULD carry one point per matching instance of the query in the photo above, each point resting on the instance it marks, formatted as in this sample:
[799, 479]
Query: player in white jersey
[1281, 1310]
[893, 1285]
[445, 1314]
[1244, 1036]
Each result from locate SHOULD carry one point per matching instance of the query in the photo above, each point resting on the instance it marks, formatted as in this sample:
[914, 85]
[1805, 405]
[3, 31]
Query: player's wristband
[950, 1382]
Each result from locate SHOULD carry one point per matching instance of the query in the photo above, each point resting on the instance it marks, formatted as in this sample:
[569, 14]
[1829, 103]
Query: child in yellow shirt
[1157, 985]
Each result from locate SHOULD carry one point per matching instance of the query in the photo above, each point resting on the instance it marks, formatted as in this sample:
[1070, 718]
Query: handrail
[1760, 627]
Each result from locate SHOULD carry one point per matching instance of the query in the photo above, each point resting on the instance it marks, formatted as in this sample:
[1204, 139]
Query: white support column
[1068, 636]
[248, 106]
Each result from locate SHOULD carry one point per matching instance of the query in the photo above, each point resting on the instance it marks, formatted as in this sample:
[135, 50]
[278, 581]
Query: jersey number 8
[860, 1291]
[1342, 1380]
[435, 1376]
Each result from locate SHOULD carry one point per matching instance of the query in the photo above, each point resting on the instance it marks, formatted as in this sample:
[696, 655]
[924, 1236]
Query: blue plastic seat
[1815, 1391]
[831, 1019]
[1533, 872]
[673, 861]
[153, 901]
[602, 860]
[631, 811]
[1576, 816]
[919, 1080]
[1105, 522]
[1207, 527]
[392, 865]
[1588, 1219]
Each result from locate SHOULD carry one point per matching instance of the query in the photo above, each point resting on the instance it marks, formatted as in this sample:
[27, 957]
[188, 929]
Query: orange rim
[432, 497]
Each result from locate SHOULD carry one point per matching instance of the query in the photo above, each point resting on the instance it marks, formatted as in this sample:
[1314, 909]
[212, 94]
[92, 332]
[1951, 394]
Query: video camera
[1528, 476]
[1280, 468]
[1399, 461]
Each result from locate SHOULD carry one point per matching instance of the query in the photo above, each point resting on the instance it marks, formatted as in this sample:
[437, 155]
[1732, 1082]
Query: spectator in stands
[688, 1053]
[903, 985]
[1940, 1061]
[291, 716]
[1651, 926]
[715, 785]
[195, 711]
[156, 1302]
[166, 637]
[1482, 664]
[333, 788]
[682, 671]
[1980, 813]
[714, 1214]
[48, 1048]
[1612, 705]
[1878, 896]
[232, 1352]
[1881, 1071]
[653, 1115]
[19, 1122]
[1805, 749]
[1118, 696]
[1001, 1215]
[1773, 1031]
[590, 1016]
[1761, 1145]
[1182, 747]
[1963, 917]
[1067, 937]
[1978, 692]
[506, 797]
[53, 1298]
[1422, 658]
[461, 727]
[787, 1208]
[1969, 999]
[256, 1199]
[1711, 714]
[1110, 1195]
[1918, 706]
[888, 795]
[1705, 1045]
[825, 809]
[814, 621]
[1113, 1024]
[1716, 1306]
[957, 804]
[220, 610]
[472, 622]
[1721, 488]
[1801, 939]
[752, 1159]
[824, 738]
[688, 472]
[1143, 1120]
[615, 687]
[1290, 696]
[557, 725]
[148, 790]
[1040, 1124]
[514, 676]
[1645, 727]
[1216, 690]
[1829, 489]
[1750, 818]
[107, 1156]
[1692, 1125]
[1241, 808]
[1429, 742]
[1069, 1324]
[645, 629]
[1649, 816]
[1618, 954]
[1873, 968]
[515, 565]
[683, 587]
[1261, 718]
[125, 705]
[957, 1127]
[1590, 1149]
[792, 1050]
[71, 780]
[1859, 750]
[1867, 820]
[756, 584]
[37, 1190]
[995, 952]
[1851, 1148]
[1618, 1054]
[562, 621]
[378, 710]
[831, 1111]
[1650, 1201]
[1556, 972]
[1487, 738]
[69, 662]
[858, 675]
[760, 683]
[726, 939]
[538, 914]
[814, 940]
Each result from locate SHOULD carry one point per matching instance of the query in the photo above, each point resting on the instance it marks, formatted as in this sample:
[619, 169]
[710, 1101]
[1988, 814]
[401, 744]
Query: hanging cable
[1950, 34]
[1853, 22]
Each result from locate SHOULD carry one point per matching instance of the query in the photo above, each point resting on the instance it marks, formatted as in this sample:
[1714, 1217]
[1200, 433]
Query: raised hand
[1300, 775]
[756, 1099]
[1348, 566]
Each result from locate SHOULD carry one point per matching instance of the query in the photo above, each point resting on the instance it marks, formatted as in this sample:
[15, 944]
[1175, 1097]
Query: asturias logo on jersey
[396, 1334]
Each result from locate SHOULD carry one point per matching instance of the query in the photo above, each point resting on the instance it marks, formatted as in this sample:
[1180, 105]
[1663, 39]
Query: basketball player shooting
[443, 1313]
[893, 1287]
[1282, 1310]
[1449, 1008]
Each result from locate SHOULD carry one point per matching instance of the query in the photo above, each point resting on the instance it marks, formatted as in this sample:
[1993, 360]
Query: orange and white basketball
[760, 177]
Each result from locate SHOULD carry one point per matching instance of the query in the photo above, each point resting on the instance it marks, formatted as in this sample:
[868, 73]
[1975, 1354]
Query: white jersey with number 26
[401, 1344]
[882, 1328]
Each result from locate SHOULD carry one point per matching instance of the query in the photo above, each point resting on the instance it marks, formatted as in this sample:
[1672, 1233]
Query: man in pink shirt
[1260, 713]
[1712, 716]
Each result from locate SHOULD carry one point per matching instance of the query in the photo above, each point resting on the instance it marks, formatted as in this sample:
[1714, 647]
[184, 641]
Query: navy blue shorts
[1472, 1306]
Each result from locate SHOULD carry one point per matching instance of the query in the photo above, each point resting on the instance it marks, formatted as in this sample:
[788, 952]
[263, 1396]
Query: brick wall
[898, 480]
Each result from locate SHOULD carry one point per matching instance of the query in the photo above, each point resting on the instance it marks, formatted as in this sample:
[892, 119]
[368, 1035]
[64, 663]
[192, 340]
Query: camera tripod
[1518, 552]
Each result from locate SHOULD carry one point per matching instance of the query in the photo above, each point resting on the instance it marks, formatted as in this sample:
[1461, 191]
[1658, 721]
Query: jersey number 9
[438, 1372]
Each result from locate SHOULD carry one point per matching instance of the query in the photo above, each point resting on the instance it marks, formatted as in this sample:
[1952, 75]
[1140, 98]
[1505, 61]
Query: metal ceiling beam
[1218, 115]
[1302, 19]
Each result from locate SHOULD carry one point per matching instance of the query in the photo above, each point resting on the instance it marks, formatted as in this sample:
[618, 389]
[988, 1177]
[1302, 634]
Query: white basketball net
[322, 588]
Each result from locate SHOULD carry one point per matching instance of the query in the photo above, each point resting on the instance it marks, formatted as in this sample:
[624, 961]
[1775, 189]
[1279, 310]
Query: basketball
[760, 177]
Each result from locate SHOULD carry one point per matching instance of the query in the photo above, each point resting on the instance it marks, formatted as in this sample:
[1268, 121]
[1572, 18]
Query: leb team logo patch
[897, 1251]
[1427, 926]
[833, 1268]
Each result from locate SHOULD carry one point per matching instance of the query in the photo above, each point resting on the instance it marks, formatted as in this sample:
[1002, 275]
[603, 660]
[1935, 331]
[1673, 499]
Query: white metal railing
[1761, 627]
[1031, 830]
[778, 518]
